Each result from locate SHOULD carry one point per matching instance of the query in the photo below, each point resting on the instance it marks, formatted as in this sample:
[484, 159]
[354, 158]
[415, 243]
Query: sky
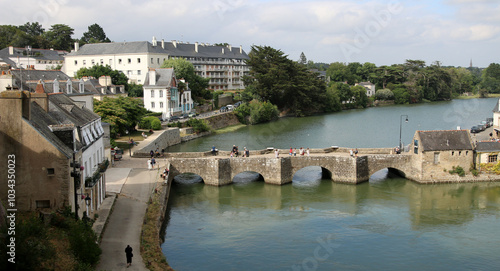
[383, 32]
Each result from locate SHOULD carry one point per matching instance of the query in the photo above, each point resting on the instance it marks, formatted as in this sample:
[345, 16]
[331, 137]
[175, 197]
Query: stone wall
[222, 120]
[168, 137]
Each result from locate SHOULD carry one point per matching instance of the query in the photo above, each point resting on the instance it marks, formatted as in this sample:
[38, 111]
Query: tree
[122, 113]
[285, 83]
[185, 69]
[95, 34]
[59, 37]
[360, 97]
[96, 71]
[135, 90]
[491, 78]
[12, 36]
[303, 59]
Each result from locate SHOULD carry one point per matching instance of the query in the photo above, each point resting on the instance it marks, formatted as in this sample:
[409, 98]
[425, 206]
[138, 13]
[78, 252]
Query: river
[388, 223]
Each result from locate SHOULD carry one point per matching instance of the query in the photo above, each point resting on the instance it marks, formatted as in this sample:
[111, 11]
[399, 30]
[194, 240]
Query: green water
[388, 223]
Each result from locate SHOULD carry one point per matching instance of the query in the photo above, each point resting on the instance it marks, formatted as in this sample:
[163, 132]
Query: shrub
[198, 125]
[384, 94]
[156, 124]
[147, 123]
[458, 170]
[83, 242]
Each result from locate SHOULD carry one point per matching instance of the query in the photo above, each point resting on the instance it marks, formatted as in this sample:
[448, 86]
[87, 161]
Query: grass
[136, 135]
[229, 129]
[150, 243]
[476, 96]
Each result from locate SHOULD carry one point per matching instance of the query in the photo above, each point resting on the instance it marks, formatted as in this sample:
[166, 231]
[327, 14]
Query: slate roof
[163, 77]
[442, 140]
[31, 78]
[180, 50]
[43, 54]
[116, 48]
[41, 121]
[490, 146]
[65, 111]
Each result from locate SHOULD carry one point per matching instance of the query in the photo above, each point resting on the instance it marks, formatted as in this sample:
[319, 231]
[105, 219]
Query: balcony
[101, 168]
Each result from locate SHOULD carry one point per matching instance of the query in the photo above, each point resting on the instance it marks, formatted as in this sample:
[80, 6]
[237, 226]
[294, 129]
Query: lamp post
[400, 129]
[129, 143]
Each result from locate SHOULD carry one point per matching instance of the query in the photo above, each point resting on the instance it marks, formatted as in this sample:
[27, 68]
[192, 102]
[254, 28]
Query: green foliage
[198, 125]
[215, 97]
[96, 71]
[83, 242]
[95, 34]
[185, 69]
[491, 78]
[458, 170]
[122, 113]
[282, 82]
[135, 90]
[60, 38]
[256, 112]
[384, 94]
[150, 122]
[32, 246]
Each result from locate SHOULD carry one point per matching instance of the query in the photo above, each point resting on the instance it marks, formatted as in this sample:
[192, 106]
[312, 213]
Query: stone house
[162, 93]
[487, 152]
[44, 132]
[369, 86]
[437, 152]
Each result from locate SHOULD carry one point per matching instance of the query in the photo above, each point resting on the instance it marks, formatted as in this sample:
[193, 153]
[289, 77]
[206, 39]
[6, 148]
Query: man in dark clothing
[128, 253]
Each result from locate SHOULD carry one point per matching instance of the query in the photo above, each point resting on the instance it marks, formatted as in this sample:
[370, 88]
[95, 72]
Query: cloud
[317, 27]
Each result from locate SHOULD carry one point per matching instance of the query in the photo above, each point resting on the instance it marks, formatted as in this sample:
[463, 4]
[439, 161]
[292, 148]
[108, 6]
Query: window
[119, 61]
[436, 158]
[161, 104]
[102, 62]
[129, 72]
[84, 62]
[76, 62]
[138, 60]
[493, 158]
[152, 104]
[138, 72]
[158, 60]
[129, 61]
[50, 172]
[152, 61]
[42, 203]
[110, 61]
[161, 93]
[93, 62]
[152, 93]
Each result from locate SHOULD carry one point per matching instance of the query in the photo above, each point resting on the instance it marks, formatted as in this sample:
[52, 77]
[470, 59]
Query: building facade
[164, 93]
[46, 133]
[31, 58]
[224, 65]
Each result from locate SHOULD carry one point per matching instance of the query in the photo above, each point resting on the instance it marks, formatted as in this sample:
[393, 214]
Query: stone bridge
[336, 164]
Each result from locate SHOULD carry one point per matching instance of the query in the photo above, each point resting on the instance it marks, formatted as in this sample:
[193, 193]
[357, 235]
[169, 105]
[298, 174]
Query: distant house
[487, 152]
[162, 93]
[103, 87]
[437, 152]
[32, 58]
[370, 88]
[44, 131]
[496, 120]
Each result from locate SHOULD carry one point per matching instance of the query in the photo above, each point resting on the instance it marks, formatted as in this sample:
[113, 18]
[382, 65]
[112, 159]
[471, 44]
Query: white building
[224, 65]
[31, 58]
[370, 88]
[162, 93]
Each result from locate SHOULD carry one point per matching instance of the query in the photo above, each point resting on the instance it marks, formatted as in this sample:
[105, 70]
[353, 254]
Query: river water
[388, 223]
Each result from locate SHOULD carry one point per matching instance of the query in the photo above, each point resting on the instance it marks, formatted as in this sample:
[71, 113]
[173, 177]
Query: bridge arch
[247, 176]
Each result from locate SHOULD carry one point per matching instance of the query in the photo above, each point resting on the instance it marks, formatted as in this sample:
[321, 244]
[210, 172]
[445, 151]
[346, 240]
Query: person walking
[308, 152]
[153, 162]
[129, 255]
[291, 151]
[276, 153]
[149, 163]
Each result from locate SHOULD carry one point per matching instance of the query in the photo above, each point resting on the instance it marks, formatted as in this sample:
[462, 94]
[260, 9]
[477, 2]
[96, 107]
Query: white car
[230, 107]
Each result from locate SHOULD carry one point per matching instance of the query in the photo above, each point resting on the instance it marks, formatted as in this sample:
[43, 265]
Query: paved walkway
[132, 183]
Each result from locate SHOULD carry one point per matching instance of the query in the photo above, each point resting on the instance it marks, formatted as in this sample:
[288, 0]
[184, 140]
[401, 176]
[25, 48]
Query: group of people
[157, 153]
[151, 163]
[164, 175]
[302, 151]
[235, 152]
[353, 152]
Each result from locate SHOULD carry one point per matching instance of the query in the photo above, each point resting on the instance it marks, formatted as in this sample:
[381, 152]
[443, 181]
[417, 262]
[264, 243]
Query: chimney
[154, 41]
[222, 50]
[196, 47]
[229, 47]
[39, 87]
[174, 43]
[241, 49]
[77, 46]
[152, 77]
[11, 50]
[105, 80]
[162, 43]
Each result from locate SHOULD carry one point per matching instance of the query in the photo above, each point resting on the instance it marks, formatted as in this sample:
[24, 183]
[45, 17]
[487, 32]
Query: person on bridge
[247, 152]
[291, 151]
[276, 153]
[214, 150]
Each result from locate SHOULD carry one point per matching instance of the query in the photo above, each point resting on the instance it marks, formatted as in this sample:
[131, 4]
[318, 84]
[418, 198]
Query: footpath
[129, 185]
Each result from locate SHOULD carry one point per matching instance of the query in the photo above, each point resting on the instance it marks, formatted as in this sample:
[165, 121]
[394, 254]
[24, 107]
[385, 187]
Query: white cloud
[315, 27]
